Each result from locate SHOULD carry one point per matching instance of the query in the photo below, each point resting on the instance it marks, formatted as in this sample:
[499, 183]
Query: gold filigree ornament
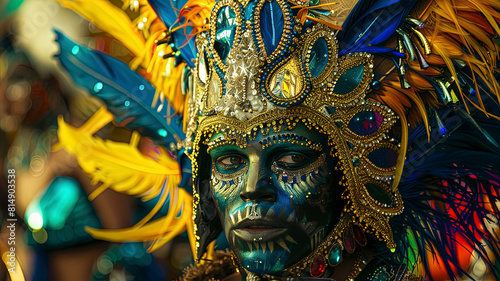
[254, 92]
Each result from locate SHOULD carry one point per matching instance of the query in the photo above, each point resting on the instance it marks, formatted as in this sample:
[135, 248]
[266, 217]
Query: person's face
[277, 198]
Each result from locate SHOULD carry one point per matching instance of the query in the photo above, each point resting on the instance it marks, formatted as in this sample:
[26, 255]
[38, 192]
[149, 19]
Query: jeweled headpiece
[260, 69]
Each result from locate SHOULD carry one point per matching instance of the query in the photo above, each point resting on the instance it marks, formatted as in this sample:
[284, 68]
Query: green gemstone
[355, 162]
[335, 255]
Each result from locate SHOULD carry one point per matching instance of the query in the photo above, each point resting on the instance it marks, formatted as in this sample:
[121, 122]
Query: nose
[259, 185]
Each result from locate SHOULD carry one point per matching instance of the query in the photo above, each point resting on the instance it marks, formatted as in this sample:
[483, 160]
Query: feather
[111, 19]
[161, 230]
[467, 117]
[126, 93]
[373, 22]
[168, 12]
[119, 166]
[124, 168]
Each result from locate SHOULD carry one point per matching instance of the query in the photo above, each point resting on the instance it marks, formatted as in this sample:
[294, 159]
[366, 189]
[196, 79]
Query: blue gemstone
[75, 50]
[226, 30]
[365, 123]
[319, 57]
[383, 157]
[349, 80]
[98, 87]
[375, 85]
[335, 255]
[272, 25]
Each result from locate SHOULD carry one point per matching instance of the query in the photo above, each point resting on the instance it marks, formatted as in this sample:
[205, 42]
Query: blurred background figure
[52, 202]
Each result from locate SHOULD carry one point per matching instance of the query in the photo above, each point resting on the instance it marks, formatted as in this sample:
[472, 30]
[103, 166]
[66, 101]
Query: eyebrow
[290, 138]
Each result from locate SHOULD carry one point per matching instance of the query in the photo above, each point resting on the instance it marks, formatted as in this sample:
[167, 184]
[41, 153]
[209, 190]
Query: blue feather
[168, 12]
[371, 22]
[125, 92]
[458, 173]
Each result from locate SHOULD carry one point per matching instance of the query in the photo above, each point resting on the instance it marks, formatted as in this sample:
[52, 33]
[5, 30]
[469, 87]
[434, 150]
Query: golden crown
[246, 83]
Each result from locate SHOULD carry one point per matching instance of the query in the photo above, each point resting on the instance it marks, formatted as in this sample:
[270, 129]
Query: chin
[263, 262]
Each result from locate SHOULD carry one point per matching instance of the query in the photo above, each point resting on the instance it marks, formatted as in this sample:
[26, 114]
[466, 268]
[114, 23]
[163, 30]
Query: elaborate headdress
[396, 86]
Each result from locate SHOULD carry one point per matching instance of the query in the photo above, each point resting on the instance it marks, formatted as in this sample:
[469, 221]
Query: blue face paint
[273, 196]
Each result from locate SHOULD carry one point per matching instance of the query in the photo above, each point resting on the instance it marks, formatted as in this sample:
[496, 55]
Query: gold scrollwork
[346, 63]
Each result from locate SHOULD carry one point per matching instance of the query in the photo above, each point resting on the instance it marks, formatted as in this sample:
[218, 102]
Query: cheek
[299, 185]
[226, 190]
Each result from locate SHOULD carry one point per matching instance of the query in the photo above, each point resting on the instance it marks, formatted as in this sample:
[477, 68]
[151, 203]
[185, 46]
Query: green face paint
[275, 197]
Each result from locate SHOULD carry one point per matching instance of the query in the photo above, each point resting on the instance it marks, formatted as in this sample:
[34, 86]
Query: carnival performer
[349, 140]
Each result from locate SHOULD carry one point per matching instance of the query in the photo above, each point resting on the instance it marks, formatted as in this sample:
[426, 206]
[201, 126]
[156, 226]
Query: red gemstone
[318, 266]
[359, 235]
[349, 243]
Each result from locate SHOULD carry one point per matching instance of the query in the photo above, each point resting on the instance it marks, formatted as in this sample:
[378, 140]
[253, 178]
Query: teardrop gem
[349, 243]
[379, 194]
[319, 57]
[383, 157]
[359, 235]
[318, 266]
[365, 123]
[226, 31]
[349, 80]
[272, 24]
[335, 255]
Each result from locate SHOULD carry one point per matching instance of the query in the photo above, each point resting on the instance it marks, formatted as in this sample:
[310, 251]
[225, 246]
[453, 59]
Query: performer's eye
[292, 160]
[231, 160]
[230, 163]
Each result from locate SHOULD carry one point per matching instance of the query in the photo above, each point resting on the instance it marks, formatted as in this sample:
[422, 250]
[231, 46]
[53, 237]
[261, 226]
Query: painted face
[275, 197]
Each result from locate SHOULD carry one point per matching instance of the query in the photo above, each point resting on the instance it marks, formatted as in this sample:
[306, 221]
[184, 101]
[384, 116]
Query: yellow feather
[110, 19]
[119, 166]
[160, 230]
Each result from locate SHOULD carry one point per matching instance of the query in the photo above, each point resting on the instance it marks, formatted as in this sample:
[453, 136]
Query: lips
[259, 230]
